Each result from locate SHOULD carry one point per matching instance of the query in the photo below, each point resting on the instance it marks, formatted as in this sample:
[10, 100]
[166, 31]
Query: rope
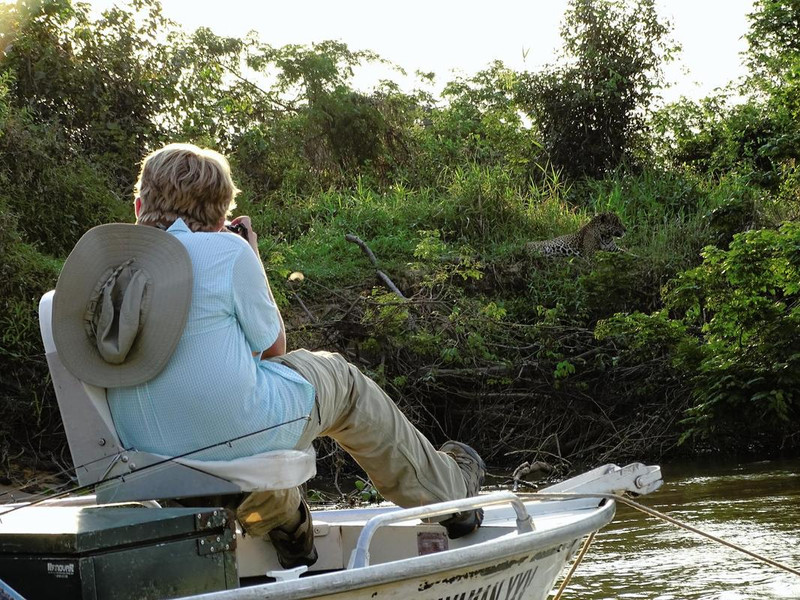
[575, 565]
[668, 519]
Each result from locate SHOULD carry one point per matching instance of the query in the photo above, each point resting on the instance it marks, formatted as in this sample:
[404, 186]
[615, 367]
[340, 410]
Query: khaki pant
[353, 410]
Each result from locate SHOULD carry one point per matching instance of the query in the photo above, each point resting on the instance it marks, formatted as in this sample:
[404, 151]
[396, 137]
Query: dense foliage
[592, 108]
[686, 343]
[729, 335]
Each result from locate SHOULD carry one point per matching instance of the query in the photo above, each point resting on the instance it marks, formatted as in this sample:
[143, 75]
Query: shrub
[745, 302]
[733, 338]
[30, 417]
[55, 194]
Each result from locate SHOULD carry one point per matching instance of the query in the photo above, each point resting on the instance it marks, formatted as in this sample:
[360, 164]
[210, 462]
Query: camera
[238, 229]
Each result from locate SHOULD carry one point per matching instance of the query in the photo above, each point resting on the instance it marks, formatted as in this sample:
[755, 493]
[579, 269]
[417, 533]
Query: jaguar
[597, 234]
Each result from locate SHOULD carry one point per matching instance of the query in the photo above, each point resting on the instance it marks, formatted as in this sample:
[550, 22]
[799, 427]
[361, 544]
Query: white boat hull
[498, 563]
[525, 576]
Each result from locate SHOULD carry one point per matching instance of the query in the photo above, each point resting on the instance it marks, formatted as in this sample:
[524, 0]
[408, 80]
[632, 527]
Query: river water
[753, 505]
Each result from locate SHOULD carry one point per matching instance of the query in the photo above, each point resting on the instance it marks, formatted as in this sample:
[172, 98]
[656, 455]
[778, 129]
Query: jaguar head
[609, 224]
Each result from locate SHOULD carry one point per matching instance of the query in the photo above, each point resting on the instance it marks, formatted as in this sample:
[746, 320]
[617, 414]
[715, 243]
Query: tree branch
[371, 256]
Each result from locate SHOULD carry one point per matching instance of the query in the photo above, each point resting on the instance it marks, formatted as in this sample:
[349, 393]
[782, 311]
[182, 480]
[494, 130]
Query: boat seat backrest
[124, 474]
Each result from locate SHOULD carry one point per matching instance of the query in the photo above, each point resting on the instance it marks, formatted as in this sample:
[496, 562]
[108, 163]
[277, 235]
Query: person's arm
[255, 303]
[279, 347]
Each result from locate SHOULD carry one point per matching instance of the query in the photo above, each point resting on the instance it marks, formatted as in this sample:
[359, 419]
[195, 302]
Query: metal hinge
[224, 540]
[214, 544]
[213, 519]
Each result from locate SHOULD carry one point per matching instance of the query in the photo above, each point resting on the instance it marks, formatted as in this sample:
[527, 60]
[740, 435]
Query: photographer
[230, 373]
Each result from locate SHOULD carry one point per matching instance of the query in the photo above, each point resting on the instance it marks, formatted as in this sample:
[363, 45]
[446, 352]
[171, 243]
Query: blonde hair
[183, 180]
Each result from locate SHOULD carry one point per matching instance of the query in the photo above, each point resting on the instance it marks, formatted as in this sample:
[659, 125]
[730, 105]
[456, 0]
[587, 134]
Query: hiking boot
[296, 548]
[474, 471]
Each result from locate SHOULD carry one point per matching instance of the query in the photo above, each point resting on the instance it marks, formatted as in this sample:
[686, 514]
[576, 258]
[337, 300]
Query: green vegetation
[685, 344]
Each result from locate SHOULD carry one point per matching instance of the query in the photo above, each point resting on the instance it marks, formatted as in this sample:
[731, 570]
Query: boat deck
[336, 533]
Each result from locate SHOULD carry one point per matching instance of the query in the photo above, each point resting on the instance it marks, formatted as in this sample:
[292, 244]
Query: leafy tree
[760, 137]
[482, 124]
[715, 137]
[446, 191]
[773, 57]
[591, 109]
[338, 133]
[105, 82]
[774, 41]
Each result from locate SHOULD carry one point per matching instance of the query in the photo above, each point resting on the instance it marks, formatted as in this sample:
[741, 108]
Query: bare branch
[371, 256]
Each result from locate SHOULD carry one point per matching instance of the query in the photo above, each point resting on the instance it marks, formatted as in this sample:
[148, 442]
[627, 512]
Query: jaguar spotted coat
[597, 234]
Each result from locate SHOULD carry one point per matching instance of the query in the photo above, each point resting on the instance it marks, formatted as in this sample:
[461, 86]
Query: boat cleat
[287, 574]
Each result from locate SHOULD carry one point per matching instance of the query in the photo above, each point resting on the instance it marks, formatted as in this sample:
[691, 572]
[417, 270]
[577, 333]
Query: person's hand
[252, 237]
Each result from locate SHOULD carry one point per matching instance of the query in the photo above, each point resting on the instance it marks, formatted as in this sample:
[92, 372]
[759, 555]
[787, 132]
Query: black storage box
[123, 552]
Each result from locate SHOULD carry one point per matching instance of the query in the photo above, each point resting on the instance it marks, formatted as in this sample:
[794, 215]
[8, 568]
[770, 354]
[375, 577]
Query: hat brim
[169, 269]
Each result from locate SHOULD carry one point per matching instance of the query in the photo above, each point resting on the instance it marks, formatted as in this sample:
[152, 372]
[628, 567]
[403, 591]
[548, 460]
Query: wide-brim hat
[121, 304]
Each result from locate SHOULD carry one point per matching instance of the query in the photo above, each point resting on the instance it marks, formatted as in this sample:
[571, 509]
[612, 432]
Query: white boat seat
[98, 454]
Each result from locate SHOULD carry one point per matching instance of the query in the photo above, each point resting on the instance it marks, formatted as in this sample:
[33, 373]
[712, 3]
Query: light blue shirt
[213, 389]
